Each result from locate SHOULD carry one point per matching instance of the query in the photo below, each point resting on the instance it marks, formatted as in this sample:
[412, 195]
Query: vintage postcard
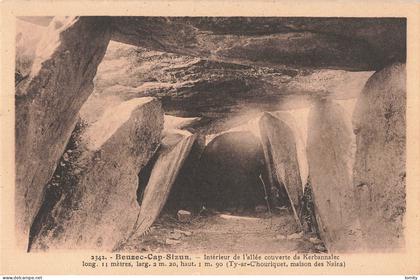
[210, 137]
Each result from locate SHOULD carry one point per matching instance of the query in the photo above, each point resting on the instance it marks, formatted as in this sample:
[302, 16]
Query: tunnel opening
[232, 175]
[226, 194]
[229, 174]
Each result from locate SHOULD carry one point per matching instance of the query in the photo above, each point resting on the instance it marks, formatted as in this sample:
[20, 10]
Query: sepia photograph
[210, 134]
[244, 140]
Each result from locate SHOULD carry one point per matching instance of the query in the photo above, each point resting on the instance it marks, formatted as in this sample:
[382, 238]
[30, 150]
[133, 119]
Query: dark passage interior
[227, 201]
[229, 173]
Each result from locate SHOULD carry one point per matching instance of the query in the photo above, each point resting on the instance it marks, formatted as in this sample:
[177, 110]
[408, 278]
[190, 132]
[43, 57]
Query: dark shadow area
[144, 175]
[229, 173]
[51, 197]
[307, 215]
[185, 192]
[60, 187]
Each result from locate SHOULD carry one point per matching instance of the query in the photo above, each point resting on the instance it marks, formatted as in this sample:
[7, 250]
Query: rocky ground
[229, 232]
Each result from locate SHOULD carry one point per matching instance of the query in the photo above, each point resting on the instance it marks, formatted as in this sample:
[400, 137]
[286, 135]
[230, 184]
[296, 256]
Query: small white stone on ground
[175, 235]
[295, 236]
[320, 247]
[315, 240]
[172, 242]
[186, 233]
[184, 216]
[280, 237]
[261, 208]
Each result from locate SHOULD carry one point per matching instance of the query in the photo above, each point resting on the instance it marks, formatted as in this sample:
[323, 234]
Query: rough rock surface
[175, 147]
[341, 43]
[97, 193]
[350, 43]
[47, 104]
[214, 91]
[329, 152]
[229, 170]
[28, 36]
[225, 71]
[380, 170]
[172, 122]
[279, 144]
[296, 120]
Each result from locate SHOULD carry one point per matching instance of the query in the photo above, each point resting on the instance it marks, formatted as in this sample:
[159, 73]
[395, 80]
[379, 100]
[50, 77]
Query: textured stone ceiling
[219, 68]
[357, 44]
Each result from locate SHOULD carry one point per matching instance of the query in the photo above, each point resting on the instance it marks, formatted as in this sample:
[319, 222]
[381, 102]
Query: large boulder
[189, 86]
[345, 43]
[380, 166]
[97, 180]
[330, 159]
[229, 169]
[279, 144]
[47, 104]
[175, 147]
[297, 121]
[334, 43]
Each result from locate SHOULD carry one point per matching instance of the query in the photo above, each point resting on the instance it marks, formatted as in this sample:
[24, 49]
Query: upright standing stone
[380, 168]
[293, 119]
[47, 104]
[280, 148]
[98, 207]
[330, 156]
[175, 148]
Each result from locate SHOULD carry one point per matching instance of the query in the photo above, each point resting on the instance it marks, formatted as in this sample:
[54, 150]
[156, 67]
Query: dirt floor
[227, 232]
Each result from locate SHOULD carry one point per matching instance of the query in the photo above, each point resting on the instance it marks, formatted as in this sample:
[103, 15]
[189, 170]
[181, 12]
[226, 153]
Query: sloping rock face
[380, 170]
[339, 43]
[329, 152]
[185, 190]
[279, 146]
[97, 190]
[47, 104]
[296, 120]
[229, 170]
[176, 145]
